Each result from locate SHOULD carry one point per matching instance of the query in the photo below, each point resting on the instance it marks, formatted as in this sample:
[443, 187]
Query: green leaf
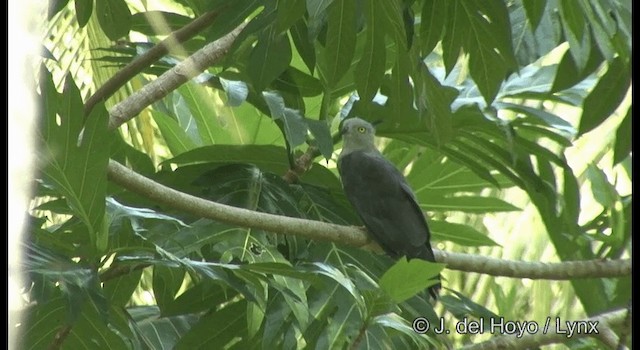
[535, 10]
[200, 104]
[217, 329]
[289, 12]
[340, 42]
[205, 295]
[84, 8]
[45, 322]
[572, 15]
[298, 82]
[467, 204]
[369, 71]
[549, 119]
[268, 157]
[530, 43]
[268, 59]
[177, 139]
[114, 18]
[488, 44]
[166, 283]
[322, 137]
[300, 36]
[246, 186]
[407, 278]
[293, 123]
[55, 6]
[580, 48]
[622, 147]
[463, 235]
[568, 73]
[436, 99]
[605, 97]
[154, 23]
[432, 24]
[76, 161]
[157, 332]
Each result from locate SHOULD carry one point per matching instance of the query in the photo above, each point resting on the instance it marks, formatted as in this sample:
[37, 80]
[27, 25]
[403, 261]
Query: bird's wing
[385, 204]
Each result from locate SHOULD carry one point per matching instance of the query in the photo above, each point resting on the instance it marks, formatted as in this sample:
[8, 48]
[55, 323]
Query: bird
[382, 198]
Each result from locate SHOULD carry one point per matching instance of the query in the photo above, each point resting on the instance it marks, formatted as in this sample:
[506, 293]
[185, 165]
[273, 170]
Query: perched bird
[381, 196]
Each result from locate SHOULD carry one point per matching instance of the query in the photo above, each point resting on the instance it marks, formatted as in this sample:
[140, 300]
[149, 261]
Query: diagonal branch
[353, 236]
[139, 63]
[172, 79]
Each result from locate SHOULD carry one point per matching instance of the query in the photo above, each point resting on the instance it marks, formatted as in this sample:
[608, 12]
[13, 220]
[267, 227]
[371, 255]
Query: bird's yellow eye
[361, 129]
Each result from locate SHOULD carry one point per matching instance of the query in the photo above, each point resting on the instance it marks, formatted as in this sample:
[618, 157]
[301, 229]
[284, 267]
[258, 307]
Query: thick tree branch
[145, 60]
[599, 326]
[172, 79]
[353, 236]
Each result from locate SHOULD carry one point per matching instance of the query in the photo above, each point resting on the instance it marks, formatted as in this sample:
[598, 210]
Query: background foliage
[511, 120]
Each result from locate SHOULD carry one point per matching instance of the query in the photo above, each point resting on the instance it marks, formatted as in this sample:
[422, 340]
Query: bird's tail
[434, 290]
[427, 254]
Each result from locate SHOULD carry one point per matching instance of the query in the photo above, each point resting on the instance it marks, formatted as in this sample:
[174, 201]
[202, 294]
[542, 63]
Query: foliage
[468, 94]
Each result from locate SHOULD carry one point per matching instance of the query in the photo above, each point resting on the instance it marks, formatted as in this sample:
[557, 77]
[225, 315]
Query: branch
[172, 79]
[353, 236]
[554, 334]
[139, 63]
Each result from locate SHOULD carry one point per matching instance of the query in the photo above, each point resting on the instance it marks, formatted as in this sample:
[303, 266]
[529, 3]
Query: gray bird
[381, 196]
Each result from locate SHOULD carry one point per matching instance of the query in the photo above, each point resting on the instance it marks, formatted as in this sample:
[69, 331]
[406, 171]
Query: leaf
[166, 283]
[572, 15]
[205, 295]
[371, 66]
[176, 138]
[322, 137]
[534, 10]
[467, 204]
[268, 59]
[605, 97]
[406, 278]
[432, 24]
[531, 43]
[289, 12]
[294, 125]
[437, 99]
[488, 44]
[245, 186]
[114, 18]
[237, 91]
[217, 329]
[549, 119]
[340, 42]
[76, 161]
[463, 235]
[304, 46]
[622, 146]
[298, 82]
[159, 332]
[462, 307]
[199, 103]
[84, 8]
[268, 157]
[55, 6]
[568, 73]
[154, 23]
[45, 322]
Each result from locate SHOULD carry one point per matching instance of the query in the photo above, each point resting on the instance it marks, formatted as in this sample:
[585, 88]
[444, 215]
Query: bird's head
[357, 134]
